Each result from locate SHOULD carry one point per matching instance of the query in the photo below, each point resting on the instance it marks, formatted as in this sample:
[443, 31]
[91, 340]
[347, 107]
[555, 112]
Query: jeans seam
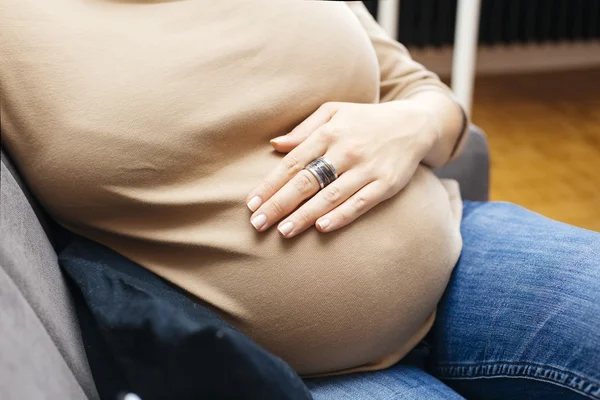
[560, 377]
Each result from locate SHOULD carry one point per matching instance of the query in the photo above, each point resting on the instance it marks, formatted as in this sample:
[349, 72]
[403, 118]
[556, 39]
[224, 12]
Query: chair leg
[465, 51]
[387, 16]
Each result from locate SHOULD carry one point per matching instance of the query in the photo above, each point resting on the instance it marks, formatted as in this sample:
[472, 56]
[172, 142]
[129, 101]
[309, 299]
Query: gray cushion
[29, 262]
[41, 215]
[472, 168]
[31, 366]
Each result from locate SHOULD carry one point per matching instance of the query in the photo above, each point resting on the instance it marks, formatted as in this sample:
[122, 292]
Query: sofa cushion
[46, 223]
[29, 261]
[31, 367]
[471, 169]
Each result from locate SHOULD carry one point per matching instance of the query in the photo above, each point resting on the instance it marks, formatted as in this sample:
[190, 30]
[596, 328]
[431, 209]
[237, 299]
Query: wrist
[424, 122]
[449, 121]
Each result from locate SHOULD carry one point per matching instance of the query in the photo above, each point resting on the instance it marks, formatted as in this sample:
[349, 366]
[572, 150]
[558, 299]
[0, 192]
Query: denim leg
[401, 381]
[520, 318]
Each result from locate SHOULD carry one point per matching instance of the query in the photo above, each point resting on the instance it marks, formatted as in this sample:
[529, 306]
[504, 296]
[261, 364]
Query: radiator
[431, 23]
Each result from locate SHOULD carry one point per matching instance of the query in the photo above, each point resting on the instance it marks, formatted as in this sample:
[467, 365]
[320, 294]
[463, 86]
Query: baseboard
[516, 58]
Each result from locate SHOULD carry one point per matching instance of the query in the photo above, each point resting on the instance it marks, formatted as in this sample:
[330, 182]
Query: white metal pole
[465, 51]
[387, 16]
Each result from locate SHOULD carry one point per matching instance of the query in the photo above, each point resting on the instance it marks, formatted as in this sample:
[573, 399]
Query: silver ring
[323, 170]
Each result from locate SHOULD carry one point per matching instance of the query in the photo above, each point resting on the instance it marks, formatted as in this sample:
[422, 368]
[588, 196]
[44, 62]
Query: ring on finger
[323, 170]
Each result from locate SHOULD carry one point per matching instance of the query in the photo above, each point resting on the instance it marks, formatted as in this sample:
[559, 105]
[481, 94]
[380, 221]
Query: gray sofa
[41, 350]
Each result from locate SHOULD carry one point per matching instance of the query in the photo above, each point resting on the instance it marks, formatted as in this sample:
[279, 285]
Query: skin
[375, 148]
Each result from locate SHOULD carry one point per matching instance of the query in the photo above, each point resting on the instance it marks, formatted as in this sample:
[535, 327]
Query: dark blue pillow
[144, 335]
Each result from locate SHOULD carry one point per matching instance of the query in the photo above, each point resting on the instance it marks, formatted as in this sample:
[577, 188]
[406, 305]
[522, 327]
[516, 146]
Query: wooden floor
[544, 133]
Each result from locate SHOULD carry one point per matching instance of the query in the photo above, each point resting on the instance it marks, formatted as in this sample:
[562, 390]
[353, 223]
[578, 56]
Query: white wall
[516, 58]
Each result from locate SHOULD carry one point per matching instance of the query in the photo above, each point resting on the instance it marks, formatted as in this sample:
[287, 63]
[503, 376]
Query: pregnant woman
[153, 126]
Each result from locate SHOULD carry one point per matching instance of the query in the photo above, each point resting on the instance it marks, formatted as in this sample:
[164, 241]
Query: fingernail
[259, 221]
[324, 223]
[286, 228]
[277, 140]
[254, 203]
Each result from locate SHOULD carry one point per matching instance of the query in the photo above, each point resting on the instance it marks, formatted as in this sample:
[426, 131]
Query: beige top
[144, 124]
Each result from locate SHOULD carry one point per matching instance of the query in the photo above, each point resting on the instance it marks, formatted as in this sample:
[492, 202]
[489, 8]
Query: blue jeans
[520, 318]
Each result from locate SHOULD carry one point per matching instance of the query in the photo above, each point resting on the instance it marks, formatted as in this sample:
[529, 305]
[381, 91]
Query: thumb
[287, 143]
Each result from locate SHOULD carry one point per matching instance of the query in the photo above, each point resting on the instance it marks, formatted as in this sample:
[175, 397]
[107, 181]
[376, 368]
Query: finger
[314, 146]
[299, 188]
[317, 119]
[323, 202]
[355, 206]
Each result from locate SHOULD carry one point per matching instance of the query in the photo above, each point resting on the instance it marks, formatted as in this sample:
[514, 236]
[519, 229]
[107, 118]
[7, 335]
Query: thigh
[400, 381]
[521, 314]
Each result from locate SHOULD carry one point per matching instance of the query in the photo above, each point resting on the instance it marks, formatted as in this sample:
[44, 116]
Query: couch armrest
[472, 167]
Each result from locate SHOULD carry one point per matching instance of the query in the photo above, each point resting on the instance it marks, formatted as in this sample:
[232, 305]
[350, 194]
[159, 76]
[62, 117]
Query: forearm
[402, 78]
[451, 125]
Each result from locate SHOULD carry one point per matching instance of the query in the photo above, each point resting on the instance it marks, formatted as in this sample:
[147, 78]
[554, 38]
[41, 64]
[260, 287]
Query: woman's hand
[375, 148]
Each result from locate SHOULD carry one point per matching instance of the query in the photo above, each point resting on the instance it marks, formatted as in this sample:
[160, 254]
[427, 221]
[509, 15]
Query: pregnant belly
[360, 297]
